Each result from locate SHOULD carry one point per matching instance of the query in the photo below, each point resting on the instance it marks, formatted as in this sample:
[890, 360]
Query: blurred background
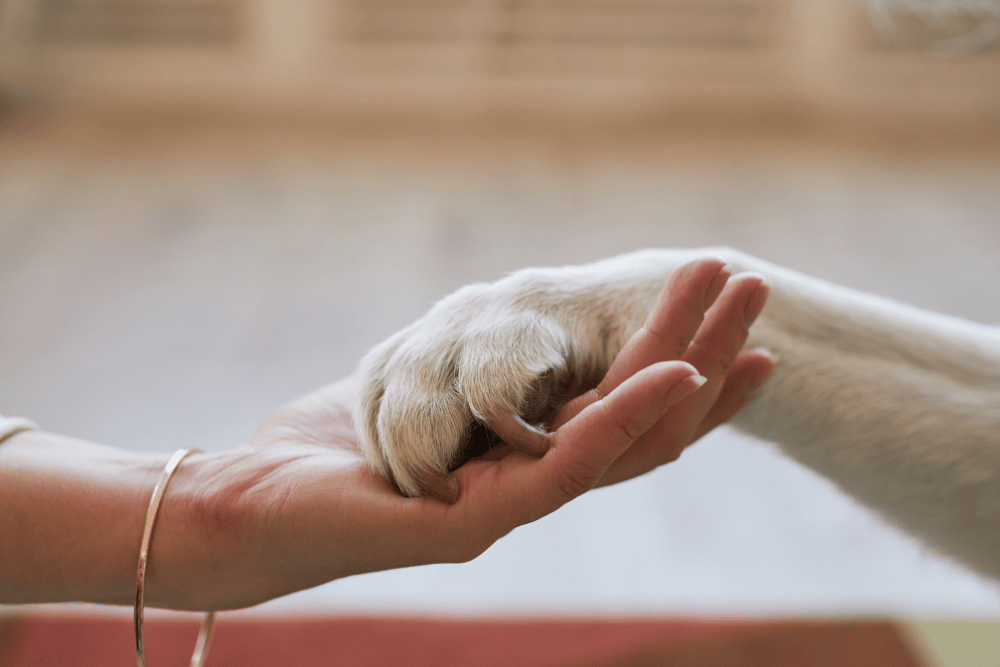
[208, 207]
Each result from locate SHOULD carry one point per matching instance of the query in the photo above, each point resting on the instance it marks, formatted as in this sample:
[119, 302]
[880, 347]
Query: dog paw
[495, 362]
[489, 363]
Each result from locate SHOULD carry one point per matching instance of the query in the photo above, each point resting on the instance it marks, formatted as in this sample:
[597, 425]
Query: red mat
[355, 642]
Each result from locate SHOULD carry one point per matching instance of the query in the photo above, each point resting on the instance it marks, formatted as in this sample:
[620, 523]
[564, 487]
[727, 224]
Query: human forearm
[72, 515]
[298, 506]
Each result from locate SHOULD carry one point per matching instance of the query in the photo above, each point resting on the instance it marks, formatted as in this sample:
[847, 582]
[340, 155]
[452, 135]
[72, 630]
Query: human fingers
[748, 373]
[727, 325]
[502, 494]
[715, 348]
[673, 322]
[583, 448]
[668, 330]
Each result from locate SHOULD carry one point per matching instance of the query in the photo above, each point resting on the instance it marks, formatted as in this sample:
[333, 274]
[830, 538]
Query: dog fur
[899, 407]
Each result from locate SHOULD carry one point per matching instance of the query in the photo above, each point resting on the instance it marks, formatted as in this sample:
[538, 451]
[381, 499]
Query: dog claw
[519, 434]
[439, 485]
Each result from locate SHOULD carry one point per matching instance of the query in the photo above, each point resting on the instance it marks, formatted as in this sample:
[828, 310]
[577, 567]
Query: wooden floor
[171, 284]
[377, 642]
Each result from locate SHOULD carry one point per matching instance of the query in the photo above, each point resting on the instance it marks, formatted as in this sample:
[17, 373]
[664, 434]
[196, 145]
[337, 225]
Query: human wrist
[195, 561]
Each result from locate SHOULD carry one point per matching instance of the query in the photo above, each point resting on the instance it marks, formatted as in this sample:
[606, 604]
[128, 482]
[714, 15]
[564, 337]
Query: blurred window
[955, 27]
[140, 22]
[595, 23]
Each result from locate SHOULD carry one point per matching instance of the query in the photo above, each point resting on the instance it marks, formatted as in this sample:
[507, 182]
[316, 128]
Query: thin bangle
[13, 425]
[205, 634]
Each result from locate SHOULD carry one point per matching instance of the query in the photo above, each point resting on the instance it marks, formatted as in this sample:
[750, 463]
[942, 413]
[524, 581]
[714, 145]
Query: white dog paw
[498, 361]
[489, 360]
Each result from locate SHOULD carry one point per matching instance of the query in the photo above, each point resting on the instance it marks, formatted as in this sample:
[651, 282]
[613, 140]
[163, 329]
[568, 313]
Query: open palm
[307, 508]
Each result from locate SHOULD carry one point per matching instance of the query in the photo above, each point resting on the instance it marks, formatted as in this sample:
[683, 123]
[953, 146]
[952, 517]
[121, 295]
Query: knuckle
[627, 429]
[676, 344]
[576, 481]
[690, 303]
[712, 356]
[724, 357]
[680, 348]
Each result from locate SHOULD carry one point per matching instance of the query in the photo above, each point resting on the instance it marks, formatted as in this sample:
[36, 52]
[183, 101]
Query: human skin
[297, 505]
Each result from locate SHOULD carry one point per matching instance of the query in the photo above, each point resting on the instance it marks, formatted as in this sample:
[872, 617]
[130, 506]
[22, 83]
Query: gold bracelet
[205, 634]
[13, 425]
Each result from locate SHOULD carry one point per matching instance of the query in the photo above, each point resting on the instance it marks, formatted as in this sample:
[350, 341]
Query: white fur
[900, 407]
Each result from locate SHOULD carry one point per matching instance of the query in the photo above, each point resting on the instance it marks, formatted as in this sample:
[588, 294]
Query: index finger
[583, 448]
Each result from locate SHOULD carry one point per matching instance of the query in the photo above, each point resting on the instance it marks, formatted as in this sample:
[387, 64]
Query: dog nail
[517, 433]
[440, 486]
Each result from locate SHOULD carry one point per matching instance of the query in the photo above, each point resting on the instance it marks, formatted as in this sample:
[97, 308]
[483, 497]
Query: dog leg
[899, 407]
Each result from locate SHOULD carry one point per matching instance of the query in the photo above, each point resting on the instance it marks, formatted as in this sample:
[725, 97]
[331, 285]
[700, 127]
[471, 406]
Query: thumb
[584, 447]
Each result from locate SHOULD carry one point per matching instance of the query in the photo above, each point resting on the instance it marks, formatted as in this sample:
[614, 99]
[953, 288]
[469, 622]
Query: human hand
[298, 505]
[509, 355]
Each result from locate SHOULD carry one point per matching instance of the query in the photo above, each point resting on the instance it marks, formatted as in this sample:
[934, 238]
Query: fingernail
[683, 389]
[755, 303]
[718, 284]
[765, 352]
